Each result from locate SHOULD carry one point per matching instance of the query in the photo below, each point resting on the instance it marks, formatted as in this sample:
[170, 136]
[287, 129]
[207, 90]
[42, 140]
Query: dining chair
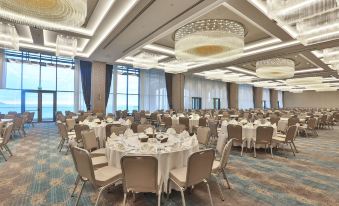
[70, 123]
[235, 132]
[118, 129]
[213, 125]
[168, 121]
[64, 136]
[5, 139]
[288, 138]
[185, 121]
[91, 143]
[2, 124]
[100, 178]
[263, 136]
[199, 167]
[179, 128]
[142, 127]
[78, 128]
[19, 126]
[140, 174]
[203, 136]
[219, 167]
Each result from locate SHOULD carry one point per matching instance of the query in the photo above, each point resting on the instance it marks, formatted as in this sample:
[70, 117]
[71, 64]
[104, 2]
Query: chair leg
[125, 197]
[76, 184]
[255, 153]
[271, 151]
[159, 199]
[295, 147]
[59, 144]
[3, 155]
[225, 177]
[292, 148]
[209, 191]
[67, 150]
[100, 192]
[8, 150]
[82, 187]
[62, 144]
[182, 196]
[219, 187]
[242, 148]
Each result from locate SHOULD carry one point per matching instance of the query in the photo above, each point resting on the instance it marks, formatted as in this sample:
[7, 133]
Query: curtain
[266, 98]
[153, 92]
[280, 99]
[86, 77]
[207, 90]
[168, 78]
[109, 72]
[245, 96]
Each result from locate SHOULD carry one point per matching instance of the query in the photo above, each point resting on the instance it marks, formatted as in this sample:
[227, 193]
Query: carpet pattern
[38, 174]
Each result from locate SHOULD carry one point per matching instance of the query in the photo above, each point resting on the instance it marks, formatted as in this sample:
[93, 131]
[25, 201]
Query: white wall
[312, 99]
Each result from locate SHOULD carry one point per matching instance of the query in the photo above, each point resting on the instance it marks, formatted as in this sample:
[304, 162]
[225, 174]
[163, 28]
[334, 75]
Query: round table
[171, 155]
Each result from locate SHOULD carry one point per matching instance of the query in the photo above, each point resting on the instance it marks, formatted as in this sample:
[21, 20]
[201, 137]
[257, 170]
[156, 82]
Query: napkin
[224, 123]
[128, 122]
[183, 134]
[113, 136]
[128, 132]
[109, 119]
[171, 131]
[149, 130]
[244, 121]
[233, 121]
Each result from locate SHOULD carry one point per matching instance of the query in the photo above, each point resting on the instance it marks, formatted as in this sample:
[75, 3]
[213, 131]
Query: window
[216, 103]
[245, 96]
[196, 102]
[126, 94]
[266, 98]
[35, 71]
[280, 100]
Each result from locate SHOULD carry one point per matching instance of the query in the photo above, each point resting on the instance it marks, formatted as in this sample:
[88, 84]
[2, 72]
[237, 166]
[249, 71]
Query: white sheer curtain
[280, 99]
[266, 98]
[207, 90]
[245, 96]
[153, 92]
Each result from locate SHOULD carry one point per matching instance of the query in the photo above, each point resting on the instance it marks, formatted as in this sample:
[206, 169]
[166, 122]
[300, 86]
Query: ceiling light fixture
[304, 81]
[9, 38]
[276, 68]
[209, 40]
[51, 14]
[66, 46]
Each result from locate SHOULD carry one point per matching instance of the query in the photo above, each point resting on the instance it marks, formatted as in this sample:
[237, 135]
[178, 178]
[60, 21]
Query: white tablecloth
[171, 155]
[283, 124]
[248, 135]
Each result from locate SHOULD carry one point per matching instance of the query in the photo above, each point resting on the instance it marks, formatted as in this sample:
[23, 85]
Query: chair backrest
[70, 124]
[18, 122]
[264, 135]
[226, 153]
[292, 121]
[142, 127]
[312, 123]
[89, 140]
[202, 122]
[274, 119]
[130, 118]
[213, 125]
[83, 163]
[140, 173]
[199, 166]
[168, 121]
[291, 133]
[78, 128]
[179, 128]
[185, 121]
[134, 127]
[137, 116]
[234, 132]
[117, 130]
[108, 129]
[7, 133]
[203, 135]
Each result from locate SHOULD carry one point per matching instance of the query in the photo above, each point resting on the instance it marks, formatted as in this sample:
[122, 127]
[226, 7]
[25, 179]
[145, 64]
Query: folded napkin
[128, 122]
[121, 120]
[113, 136]
[233, 121]
[109, 119]
[183, 134]
[149, 130]
[224, 123]
[128, 132]
[171, 131]
[256, 122]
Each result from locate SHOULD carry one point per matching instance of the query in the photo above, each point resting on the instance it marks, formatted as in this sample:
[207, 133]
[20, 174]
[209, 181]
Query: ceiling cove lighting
[209, 39]
[66, 46]
[304, 81]
[308, 70]
[51, 14]
[9, 38]
[275, 68]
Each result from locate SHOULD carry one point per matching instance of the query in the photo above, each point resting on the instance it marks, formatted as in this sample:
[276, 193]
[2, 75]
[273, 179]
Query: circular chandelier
[48, 14]
[209, 39]
[276, 68]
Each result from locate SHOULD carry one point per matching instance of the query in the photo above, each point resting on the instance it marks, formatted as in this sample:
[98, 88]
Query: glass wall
[35, 71]
[245, 96]
[206, 90]
[266, 98]
[280, 100]
[124, 91]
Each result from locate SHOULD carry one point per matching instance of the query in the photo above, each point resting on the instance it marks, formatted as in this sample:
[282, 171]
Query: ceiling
[120, 31]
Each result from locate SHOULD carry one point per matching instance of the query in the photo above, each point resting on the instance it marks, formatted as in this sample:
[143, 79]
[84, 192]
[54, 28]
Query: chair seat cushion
[99, 152]
[215, 166]
[279, 139]
[98, 162]
[179, 176]
[106, 175]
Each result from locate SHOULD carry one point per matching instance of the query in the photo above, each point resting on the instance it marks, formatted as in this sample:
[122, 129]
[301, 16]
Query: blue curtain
[86, 77]
[109, 71]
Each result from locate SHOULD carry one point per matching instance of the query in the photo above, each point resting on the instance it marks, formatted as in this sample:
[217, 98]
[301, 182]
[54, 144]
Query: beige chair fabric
[70, 123]
[19, 126]
[117, 130]
[235, 132]
[199, 167]
[78, 129]
[140, 174]
[179, 128]
[203, 136]
[5, 139]
[288, 138]
[90, 143]
[263, 136]
[64, 136]
[184, 121]
[142, 127]
[100, 178]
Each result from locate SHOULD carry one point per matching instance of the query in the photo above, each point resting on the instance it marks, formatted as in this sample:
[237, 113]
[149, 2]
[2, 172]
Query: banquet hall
[169, 102]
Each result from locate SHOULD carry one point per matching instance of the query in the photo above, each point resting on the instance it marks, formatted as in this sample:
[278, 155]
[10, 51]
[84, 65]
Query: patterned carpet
[38, 174]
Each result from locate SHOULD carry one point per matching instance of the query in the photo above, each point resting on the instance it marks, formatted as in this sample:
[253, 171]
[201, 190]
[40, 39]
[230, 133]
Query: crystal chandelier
[9, 38]
[315, 20]
[145, 60]
[46, 14]
[276, 68]
[209, 39]
[66, 46]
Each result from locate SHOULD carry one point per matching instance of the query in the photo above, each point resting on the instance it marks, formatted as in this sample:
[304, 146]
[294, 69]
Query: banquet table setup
[172, 150]
[193, 120]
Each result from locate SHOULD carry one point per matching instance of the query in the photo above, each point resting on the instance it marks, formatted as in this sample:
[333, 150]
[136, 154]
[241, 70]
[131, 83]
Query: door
[42, 103]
